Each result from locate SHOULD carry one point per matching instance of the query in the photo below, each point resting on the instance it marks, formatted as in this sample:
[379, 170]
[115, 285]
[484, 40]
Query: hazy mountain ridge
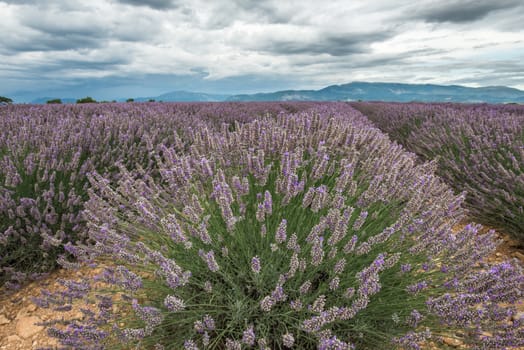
[185, 96]
[365, 91]
[393, 92]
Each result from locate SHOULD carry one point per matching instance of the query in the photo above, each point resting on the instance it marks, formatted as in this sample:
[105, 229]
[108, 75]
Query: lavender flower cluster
[48, 152]
[480, 150]
[290, 231]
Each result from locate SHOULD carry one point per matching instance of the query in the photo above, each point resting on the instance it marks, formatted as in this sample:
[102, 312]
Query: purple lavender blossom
[248, 337]
[255, 264]
[417, 287]
[233, 344]
[268, 203]
[288, 340]
[209, 323]
[190, 345]
[267, 303]
[173, 303]
[405, 268]
[280, 235]
[209, 258]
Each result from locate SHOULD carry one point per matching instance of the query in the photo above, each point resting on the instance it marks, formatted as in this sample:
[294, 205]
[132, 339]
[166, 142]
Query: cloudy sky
[120, 48]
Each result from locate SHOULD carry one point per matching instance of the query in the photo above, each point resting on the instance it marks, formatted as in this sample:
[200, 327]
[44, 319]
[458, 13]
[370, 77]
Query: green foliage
[130, 100]
[5, 99]
[54, 101]
[86, 100]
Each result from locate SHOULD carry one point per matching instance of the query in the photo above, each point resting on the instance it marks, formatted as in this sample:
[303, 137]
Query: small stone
[498, 254]
[4, 320]
[518, 316]
[518, 255]
[26, 327]
[451, 342]
[31, 308]
[13, 338]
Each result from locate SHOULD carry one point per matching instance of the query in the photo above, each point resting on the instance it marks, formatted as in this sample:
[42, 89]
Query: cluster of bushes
[46, 155]
[480, 150]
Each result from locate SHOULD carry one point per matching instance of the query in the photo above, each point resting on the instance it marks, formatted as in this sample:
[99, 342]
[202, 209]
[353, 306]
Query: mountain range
[355, 91]
[393, 92]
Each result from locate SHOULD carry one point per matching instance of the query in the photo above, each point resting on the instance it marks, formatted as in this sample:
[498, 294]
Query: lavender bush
[480, 149]
[46, 153]
[308, 230]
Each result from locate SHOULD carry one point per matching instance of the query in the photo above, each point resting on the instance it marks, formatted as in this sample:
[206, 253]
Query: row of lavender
[307, 230]
[46, 153]
[480, 150]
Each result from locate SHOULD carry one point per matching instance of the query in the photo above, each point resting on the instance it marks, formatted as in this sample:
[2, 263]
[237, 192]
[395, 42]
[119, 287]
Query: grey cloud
[515, 67]
[64, 5]
[74, 30]
[20, 2]
[263, 10]
[226, 12]
[399, 62]
[154, 4]
[491, 79]
[462, 11]
[97, 64]
[331, 44]
[59, 67]
[46, 42]
[55, 29]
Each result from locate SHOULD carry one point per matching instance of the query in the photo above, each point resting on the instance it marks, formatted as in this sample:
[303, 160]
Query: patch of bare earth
[19, 316]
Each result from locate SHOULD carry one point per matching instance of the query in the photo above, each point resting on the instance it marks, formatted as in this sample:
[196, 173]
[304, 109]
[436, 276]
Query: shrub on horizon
[4, 99]
[86, 100]
[300, 231]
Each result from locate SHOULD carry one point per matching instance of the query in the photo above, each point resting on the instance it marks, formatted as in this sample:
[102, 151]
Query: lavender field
[266, 225]
[479, 149]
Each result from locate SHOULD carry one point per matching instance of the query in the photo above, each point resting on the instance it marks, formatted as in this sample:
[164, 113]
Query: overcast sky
[118, 48]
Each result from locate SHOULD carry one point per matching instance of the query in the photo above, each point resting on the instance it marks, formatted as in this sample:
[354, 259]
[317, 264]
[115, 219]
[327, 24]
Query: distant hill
[393, 92]
[184, 96]
[348, 92]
